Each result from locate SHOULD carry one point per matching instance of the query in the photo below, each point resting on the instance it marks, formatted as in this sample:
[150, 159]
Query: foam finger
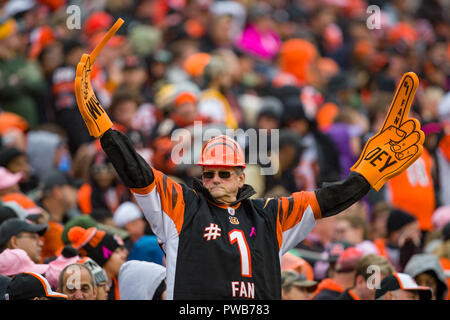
[410, 140]
[403, 98]
[409, 152]
[410, 125]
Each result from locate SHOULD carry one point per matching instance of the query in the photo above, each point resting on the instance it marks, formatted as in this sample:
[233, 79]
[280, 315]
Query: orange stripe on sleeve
[145, 190]
[171, 196]
[293, 208]
[279, 229]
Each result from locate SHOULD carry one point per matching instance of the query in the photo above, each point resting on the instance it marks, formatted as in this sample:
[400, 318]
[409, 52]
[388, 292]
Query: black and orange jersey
[348, 294]
[216, 251]
[328, 289]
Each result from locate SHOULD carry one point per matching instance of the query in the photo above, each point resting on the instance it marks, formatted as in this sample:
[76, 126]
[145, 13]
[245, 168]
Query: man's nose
[216, 178]
[78, 295]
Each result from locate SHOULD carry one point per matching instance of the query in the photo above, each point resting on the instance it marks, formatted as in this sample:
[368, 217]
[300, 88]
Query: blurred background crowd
[317, 70]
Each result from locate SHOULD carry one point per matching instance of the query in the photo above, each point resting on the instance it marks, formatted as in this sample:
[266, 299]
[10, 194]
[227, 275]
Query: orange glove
[398, 143]
[95, 117]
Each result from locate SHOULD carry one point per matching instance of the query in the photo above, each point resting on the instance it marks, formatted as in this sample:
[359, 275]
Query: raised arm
[387, 154]
[160, 198]
[131, 167]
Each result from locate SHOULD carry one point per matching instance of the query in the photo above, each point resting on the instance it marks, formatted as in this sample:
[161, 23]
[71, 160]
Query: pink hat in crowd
[15, 261]
[8, 179]
[348, 259]
[441, 216]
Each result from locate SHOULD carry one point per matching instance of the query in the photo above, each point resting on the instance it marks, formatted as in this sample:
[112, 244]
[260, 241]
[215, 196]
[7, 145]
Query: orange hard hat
[222, 151]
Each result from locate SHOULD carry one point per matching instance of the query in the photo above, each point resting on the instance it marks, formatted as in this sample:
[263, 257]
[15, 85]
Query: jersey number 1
[246, 264]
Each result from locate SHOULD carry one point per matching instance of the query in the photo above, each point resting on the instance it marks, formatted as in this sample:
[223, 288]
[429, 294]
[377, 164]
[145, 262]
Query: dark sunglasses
[211, 174]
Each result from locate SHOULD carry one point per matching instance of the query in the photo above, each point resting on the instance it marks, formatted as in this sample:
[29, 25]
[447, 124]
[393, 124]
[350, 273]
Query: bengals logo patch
[233, 220]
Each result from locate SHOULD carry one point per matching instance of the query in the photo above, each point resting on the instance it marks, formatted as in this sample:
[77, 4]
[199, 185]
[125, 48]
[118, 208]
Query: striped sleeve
[296, 217]
[163, 205]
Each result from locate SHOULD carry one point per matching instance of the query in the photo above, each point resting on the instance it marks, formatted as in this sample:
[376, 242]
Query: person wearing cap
[34, 212]
[403, 238]
[15, 261]
[59, 199]
[342, 277]
[31, 286]
[101, 280]
[59, 196]
[295, 286]
[370, 268]
[219, 242]
[400, 286]
[9, 182]
[290, 261]
[77, 282]
[22, 234]
[106, 249]
[128, 216]
[426, 270]
[16, 161]
[11, 209]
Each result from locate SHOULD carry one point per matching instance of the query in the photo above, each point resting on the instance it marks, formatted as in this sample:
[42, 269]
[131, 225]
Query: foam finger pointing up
[402, 101]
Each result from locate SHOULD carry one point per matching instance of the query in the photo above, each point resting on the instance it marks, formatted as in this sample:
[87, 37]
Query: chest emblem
[212, 232]
[231, 211]
[234, 220]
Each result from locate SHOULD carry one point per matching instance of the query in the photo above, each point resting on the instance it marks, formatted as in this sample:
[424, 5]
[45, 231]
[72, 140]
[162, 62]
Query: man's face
[31, 243]
[404, 295]
[296, 293]
[427, 280]
[345, 232]
[81, 289]
[102, 291]
[69, 195]
[20, 164]
[225, 189]
[136, 228]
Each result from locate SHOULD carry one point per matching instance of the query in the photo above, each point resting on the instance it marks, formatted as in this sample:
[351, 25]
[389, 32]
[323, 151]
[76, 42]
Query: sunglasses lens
[211, 174]
[224, 174]
[208, 174]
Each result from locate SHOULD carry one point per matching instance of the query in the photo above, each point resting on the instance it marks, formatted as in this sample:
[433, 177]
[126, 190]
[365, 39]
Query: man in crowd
[217, 222]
